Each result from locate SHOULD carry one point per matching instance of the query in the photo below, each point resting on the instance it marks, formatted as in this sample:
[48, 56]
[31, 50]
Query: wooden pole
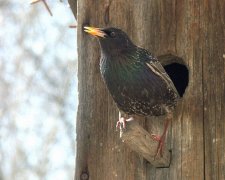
[194, 31]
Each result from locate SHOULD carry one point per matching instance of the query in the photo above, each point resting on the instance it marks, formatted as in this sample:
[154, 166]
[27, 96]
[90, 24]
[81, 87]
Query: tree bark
[192, 30]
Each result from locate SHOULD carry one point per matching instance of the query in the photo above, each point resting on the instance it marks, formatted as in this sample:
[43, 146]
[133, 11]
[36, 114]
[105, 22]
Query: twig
[45, 3]
[72, 26]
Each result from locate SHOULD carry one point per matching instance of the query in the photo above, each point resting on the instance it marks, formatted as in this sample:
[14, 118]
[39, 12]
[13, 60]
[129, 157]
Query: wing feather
[158, 69]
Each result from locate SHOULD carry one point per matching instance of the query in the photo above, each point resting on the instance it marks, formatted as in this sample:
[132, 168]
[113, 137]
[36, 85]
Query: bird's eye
[112, 34]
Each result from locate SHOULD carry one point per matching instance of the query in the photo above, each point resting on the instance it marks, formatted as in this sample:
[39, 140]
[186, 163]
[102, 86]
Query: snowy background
[38, 91]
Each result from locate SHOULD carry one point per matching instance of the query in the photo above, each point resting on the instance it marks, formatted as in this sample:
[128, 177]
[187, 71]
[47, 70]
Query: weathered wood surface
[212, 38]
[73, 7]
[191, 29]
[139, 140]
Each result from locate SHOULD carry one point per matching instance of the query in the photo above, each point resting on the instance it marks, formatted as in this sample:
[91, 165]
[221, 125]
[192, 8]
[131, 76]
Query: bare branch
[45, 3]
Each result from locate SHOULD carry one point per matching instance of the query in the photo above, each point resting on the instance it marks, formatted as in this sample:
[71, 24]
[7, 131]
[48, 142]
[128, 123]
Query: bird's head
[112, 40]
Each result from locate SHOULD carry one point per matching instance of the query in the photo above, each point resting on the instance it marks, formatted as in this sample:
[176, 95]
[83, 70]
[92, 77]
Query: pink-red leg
[161, 139]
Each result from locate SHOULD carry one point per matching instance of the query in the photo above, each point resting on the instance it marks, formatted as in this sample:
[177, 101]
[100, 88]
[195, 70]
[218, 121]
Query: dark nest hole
[179, 75]
[177, 70]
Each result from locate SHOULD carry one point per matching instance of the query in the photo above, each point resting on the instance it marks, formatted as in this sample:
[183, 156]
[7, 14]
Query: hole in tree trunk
[177, 70]
[179, 75]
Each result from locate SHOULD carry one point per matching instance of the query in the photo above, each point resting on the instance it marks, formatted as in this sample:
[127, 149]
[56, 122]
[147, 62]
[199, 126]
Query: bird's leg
[161, 139]
[122, 121]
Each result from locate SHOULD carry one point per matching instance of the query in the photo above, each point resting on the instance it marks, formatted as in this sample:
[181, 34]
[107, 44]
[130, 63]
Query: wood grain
[213, 47]
[140, 141]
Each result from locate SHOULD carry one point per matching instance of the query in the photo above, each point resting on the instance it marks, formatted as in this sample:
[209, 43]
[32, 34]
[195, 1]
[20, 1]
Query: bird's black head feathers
[112, 40]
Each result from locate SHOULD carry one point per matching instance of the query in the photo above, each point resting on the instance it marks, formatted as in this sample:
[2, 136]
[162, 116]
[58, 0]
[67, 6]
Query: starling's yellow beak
[95, 31]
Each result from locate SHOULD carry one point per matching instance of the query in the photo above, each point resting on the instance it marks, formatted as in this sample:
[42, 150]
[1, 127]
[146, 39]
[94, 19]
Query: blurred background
[38, 91]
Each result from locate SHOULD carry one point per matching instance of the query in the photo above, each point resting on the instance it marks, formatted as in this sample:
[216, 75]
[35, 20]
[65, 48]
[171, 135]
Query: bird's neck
[117, 53]
[117, 57]
[121, 65]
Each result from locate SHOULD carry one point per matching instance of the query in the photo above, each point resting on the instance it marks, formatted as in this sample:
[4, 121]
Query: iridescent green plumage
[137, 82]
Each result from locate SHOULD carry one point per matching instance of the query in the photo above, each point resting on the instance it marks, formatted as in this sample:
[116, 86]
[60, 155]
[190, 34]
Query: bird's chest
[120, 76]
[127, 85]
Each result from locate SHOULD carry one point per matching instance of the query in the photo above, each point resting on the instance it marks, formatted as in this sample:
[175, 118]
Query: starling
[135, 78]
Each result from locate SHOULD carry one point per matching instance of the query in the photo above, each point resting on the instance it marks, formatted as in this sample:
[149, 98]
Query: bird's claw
[155, 137]
[121, 123]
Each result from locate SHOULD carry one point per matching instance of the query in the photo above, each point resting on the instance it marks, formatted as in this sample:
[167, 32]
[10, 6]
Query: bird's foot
[161, 140]
[121, 123]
